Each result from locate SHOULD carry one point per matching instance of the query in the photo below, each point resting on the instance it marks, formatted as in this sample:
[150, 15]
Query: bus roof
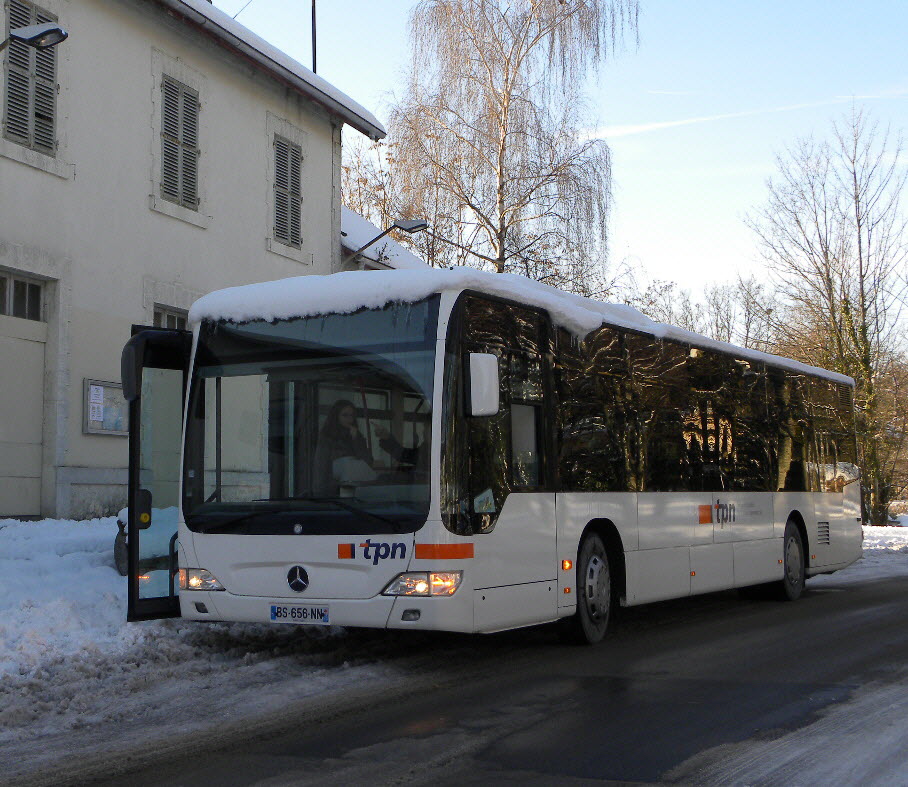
[343, 293]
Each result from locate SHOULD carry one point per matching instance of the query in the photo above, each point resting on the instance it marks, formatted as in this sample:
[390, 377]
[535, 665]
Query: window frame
[7, 296]
[161, 313]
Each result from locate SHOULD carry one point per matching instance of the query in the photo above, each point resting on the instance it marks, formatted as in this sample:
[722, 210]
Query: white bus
[460, 451]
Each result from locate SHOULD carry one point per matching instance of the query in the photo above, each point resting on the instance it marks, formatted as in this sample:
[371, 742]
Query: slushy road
[707, 690]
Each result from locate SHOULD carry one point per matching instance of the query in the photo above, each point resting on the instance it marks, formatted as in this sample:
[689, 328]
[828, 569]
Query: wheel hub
[597, 587]
[793, 562]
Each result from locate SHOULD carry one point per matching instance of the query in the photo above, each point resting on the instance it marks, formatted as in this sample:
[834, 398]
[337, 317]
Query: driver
[338, 438]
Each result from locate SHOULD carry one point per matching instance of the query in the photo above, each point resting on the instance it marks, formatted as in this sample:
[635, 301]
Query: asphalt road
[675, 688]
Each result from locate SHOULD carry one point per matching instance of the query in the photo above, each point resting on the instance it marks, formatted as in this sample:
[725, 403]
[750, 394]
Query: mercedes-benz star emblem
[298, 579]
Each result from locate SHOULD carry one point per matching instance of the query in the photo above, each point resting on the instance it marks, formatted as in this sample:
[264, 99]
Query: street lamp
[41, 36]
[407, 225]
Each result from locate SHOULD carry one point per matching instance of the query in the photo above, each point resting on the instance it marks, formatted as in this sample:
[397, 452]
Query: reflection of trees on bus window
[636, 413]
[503, 452]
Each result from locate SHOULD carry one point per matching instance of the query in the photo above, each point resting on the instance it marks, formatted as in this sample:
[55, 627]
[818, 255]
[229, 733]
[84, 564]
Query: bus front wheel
[595, 597]
[793, 579]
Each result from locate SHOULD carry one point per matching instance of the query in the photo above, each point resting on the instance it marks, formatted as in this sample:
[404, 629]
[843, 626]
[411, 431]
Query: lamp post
[41, 36]
[407, 225]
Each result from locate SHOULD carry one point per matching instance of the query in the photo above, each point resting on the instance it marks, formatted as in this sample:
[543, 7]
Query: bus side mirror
[483, 397]
[165, 348]
[130, 372]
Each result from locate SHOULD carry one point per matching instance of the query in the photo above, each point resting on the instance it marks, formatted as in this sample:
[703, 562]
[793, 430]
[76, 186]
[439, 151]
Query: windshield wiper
[335, 501]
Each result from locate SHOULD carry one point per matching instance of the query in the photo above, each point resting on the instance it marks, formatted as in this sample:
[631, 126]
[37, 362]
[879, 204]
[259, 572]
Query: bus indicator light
[567, 591]
[567, 565]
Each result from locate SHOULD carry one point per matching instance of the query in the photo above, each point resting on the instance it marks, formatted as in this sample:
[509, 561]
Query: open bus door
[155, 363]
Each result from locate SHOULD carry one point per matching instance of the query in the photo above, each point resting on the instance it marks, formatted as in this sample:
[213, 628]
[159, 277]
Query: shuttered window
[288, 162]
[30, 100]
[179, 144]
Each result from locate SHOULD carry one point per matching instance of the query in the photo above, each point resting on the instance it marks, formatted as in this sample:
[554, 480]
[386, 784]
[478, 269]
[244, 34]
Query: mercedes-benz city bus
[461, 451]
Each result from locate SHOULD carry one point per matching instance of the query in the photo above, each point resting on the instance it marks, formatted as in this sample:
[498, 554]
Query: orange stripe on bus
[443, 551]
[706, 514]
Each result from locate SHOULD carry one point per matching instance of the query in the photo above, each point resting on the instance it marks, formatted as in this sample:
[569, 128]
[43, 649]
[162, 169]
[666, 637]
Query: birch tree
[834, 235]
[488, 137]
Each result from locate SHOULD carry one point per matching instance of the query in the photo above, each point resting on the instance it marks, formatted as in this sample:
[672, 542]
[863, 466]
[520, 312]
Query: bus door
[154, 367]
[509, 453]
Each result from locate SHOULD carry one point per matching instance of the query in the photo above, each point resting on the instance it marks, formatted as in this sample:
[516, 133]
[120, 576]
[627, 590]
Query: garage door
[22, 345]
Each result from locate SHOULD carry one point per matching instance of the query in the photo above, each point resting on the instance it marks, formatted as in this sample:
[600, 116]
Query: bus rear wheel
[792, 584]
[595, 597]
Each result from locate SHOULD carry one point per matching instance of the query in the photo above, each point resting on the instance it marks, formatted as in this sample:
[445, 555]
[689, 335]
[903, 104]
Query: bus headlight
[422, 583]
[198, 579]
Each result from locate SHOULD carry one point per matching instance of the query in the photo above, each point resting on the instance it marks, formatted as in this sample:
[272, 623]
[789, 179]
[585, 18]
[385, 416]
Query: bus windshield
[313, 425]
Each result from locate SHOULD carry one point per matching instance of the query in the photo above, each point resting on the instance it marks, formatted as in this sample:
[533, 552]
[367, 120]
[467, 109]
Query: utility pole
[313, 38]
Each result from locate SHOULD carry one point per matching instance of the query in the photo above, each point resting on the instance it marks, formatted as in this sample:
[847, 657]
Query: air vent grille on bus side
[823, 533]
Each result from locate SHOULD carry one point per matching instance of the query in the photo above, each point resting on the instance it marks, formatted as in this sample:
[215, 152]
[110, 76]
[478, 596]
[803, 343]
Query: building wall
[91, 223]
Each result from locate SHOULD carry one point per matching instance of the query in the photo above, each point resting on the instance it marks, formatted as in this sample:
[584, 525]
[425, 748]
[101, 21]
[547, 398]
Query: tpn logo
[373, 551]
[725, 512]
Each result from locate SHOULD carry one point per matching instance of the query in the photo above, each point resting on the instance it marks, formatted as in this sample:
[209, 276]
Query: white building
[161, 152]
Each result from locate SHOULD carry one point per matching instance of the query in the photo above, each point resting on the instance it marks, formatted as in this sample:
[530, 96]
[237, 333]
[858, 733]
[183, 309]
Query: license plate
[300, 613]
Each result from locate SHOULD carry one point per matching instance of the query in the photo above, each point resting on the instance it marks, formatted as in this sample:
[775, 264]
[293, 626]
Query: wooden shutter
[30, 103]
[179, 144]
[288, 160]
[189, 188]
[45, 108]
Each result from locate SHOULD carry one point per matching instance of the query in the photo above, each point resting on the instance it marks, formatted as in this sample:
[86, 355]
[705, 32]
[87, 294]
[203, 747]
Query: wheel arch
[606, 530]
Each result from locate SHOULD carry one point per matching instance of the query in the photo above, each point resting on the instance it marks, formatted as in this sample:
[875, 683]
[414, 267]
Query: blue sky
[693, 115]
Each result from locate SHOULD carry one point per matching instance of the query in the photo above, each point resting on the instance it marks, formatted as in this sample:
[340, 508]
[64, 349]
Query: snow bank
[69, 660]
[305, 296]
[885, 555]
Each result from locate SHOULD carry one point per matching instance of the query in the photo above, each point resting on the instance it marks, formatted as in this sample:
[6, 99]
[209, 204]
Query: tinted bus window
[596, 430]
[491, 456]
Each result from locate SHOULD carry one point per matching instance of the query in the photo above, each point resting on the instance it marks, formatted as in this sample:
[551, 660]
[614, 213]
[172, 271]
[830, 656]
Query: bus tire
[794, 573]
[595, 593]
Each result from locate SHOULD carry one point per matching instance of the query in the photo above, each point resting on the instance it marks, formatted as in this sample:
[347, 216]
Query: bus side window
[526, 412]
[504, 451]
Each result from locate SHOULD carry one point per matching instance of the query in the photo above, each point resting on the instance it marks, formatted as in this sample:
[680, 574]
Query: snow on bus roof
[306, 296]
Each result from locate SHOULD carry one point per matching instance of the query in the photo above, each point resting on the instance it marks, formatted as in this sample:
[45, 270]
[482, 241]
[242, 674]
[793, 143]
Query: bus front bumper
[454, 613]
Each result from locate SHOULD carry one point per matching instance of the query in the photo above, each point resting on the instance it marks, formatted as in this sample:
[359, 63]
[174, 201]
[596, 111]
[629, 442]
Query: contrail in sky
[610, 132]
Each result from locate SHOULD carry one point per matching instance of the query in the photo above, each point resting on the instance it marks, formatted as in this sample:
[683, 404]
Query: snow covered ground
[70, 664]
